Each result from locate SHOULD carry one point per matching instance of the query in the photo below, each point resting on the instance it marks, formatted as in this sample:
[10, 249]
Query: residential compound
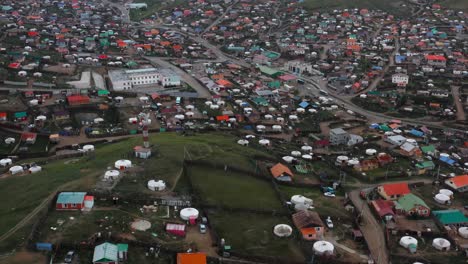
[123, 80]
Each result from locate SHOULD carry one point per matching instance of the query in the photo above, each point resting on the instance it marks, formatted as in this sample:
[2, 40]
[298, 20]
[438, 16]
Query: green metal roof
[425, 165]
[260, 101]
[105, 252]
[410, 201]
[103, 92]
[122, 247]
[428, 149]
[20, 114]
[448, 217]
[268, 70]
[71, 197]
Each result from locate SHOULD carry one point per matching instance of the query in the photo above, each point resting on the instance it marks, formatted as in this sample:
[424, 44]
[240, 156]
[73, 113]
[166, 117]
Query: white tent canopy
[87, 148]
[282, 230]
[10, 140]
[406, 241]
[288, 159]
[123, 164]
[441, 198]
[156, 185]
[296, 153]
[6, 162]
[441, 244]
[243, 142]
[16, 169]
[111, 174]
[188, 213]
[35, 169]
[463, 231]
[323, 248]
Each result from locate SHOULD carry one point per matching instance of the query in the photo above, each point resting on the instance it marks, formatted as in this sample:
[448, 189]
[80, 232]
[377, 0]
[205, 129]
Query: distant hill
[454, 4]
[391, 6]
[394, 7]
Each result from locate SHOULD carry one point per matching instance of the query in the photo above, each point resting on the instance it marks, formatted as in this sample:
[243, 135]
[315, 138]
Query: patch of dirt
[203, 241]
[140, 225]
[127, 236]
[22, 257]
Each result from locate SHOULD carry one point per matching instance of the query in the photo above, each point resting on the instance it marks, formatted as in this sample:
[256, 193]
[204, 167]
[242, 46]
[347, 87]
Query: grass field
[219, 187]
[455, 4]
[325, 206]
[153, 7]
[393, 7]
[21, 194]
[253, 234]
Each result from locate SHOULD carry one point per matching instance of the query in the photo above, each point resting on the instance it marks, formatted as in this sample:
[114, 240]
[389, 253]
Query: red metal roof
[400, 188]
[460, 181]
[436, 57]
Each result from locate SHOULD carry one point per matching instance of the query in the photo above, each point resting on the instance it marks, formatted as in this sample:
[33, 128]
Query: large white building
[123, 80]
[400, 79]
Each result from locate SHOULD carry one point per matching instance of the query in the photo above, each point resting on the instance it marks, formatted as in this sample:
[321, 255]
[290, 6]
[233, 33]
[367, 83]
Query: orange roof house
[224, 83]
[217, 76]
[309, 224]
[458, 183]
[281, 172]
[165, 43]
[393, 191]
[191, 258]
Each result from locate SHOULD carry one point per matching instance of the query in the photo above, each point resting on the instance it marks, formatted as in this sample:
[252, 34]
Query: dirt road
[372, 230]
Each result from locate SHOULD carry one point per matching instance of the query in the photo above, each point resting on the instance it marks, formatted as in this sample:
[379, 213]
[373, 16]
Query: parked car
[329, 223]
[69, 257]
[202, 228]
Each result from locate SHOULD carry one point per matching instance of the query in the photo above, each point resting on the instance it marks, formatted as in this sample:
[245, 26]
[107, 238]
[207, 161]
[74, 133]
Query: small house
[141, 152]
[29, 138]
[281, 172]
[176, 229]
[458, 183]
[410, 150]
[78, 99]
[191, 258]
[367, 165]
[412, 205]
[108, 253]
[384, 209]
[424, 166]
[393, 191]
[70, 201]
[450, 217]
[309, 224]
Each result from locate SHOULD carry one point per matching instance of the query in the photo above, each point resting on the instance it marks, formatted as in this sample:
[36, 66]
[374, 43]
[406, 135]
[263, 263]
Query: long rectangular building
[123, 80]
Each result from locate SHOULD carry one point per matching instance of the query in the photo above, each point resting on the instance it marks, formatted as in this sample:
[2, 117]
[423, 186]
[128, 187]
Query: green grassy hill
[454, 4]
[393, 7]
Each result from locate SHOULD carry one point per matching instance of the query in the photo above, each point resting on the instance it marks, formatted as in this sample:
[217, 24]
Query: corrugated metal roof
[71, 197]
[105, 252]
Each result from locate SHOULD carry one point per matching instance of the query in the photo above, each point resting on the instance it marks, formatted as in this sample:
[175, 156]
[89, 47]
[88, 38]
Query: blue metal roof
[417, 133]
[71, 197]
[304, 104]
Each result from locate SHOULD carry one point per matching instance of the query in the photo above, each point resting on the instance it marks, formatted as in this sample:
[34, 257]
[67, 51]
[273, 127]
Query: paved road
[371, 116]
[458, 104]
[220, 18]
[201, 90]
[372, 230]
[124, 12]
